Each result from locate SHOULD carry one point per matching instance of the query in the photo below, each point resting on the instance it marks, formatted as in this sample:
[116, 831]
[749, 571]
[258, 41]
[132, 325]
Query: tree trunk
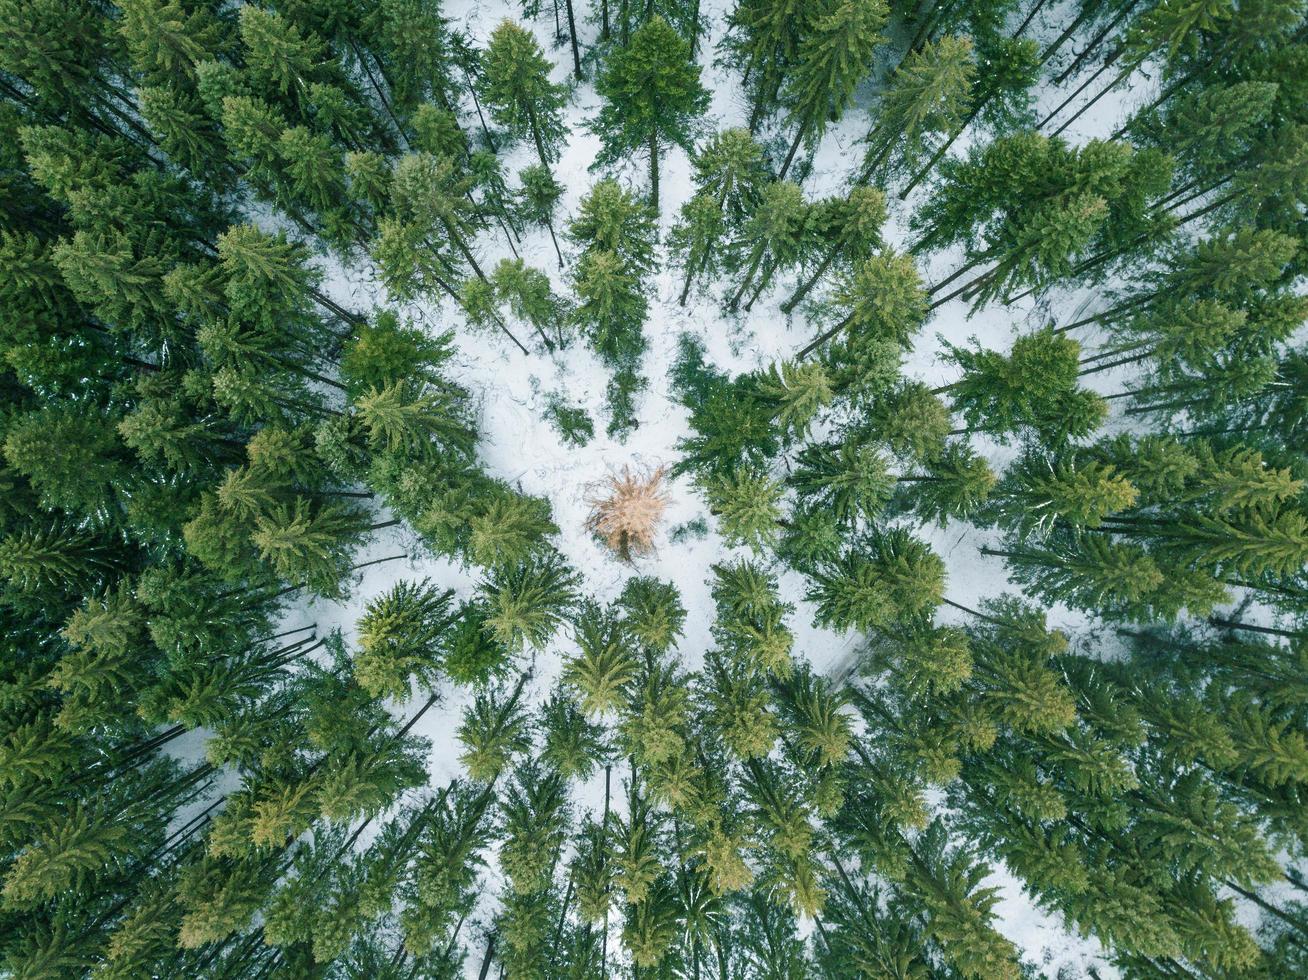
[604, 20]
[486, 960]
[749, 275]
[572, 31]
[654, 172]
[462, 246]
[1232, 624]
[1035, 9]
[1108, 63]
[508, 236]
[1087, 11]
[823, 338]
[795, 297]
[490, 140]
[557, 250]
[535, 135]
[692, 273]
[794, 147]
[768, 272]
[1091, 48]
[624, 18]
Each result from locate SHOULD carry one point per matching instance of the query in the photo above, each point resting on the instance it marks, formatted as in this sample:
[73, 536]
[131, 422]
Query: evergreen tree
[833, 57]
[400, 638]
[540, 196]
[519, 92]
[728, 174]
[526, 602]
[927, 95]
[894, 578]
[653, 97]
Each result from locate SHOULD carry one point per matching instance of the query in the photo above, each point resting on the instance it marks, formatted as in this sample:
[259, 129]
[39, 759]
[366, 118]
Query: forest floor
[520, 445]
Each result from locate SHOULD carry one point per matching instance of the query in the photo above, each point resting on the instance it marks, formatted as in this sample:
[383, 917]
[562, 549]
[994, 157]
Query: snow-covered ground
[519, 444]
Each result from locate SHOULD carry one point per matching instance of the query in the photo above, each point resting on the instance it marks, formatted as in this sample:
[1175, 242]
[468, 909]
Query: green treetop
[518, 88]
[832, 59]
[653, 97]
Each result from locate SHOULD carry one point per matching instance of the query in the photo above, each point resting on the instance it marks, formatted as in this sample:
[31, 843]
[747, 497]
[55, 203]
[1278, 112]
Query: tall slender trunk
[572, 32]
[604, 20]
[490, 140]
[944, 148]
[654, 171]
[769, 271]
[754, 261]
[462, 246]
[535, 135]
[692, 273]
[1031, 15]
[1232, 624]
[604, 842]
[486, 960]
[1108, 63]
[823, 338]
[557, 251]
[794, 147]
[1090, 49]
[1087, 11]
[1121, 77]
[624, 22]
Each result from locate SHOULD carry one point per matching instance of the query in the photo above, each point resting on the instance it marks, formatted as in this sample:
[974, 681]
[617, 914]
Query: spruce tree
[519, 92]
[830, 62]
[653, 97]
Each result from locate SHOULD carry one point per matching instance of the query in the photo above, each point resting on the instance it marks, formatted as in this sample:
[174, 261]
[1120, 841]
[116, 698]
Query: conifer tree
[400, 639]
[926, 95]
[540, 196]
[519, 92]
[1033, 387]
[526, 602]
[831, 60]
[853, 229]
[747, 504]
[893, 578]
[728, 175]
[774, 235]
[653, 97]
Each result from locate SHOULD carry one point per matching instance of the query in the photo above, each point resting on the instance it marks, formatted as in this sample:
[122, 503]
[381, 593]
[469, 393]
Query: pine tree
[927, 95]
[534, 817]
[652, 612]
[747, 504]
[830, 62]
[1033, 387]
[653, 97]
[519, 91]
[493, 730]
[853, 228]
[573, 746]
[849, 480]
[526, 602]
[509, 530]
[600, 674]
[774, 234]
[540, 196]
[894, 578]
[885, 300]
[400, 638]
[728, 173]
[312, 544]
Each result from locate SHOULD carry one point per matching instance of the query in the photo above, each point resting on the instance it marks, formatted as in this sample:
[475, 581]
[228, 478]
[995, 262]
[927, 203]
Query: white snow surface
[518, 444]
